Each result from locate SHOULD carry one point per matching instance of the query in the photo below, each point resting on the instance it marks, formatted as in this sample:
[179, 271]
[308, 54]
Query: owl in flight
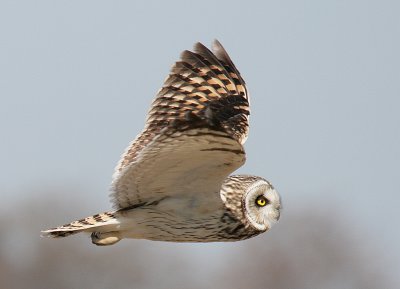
[173, 182]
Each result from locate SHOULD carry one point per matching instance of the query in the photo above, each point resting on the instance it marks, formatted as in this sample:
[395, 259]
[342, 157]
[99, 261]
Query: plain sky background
[77, 78]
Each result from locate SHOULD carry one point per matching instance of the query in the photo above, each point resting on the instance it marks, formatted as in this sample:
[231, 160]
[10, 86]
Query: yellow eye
[261, 201]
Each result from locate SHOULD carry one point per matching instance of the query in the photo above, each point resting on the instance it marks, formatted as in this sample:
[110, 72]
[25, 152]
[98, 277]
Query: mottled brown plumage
[202, 90]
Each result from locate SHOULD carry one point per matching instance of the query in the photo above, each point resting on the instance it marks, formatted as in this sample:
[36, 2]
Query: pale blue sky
[77, 78]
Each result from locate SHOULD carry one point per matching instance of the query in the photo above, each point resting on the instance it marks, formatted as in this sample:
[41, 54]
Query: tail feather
[96, 223]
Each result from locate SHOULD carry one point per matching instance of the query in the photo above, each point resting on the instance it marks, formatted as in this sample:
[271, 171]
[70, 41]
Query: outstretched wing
[194, 132]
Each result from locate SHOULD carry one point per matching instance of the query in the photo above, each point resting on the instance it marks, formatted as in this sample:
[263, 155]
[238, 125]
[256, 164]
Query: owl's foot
[105, 239]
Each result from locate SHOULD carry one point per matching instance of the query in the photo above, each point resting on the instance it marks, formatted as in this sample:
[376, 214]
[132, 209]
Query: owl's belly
[177, 220]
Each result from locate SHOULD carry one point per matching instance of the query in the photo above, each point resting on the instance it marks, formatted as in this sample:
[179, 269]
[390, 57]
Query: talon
[105, 239]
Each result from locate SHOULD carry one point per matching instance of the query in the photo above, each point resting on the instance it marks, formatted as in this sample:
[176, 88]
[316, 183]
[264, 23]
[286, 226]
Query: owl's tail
[104, 228]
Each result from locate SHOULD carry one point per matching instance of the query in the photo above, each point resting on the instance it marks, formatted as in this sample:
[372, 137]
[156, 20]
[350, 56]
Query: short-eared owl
[173, 183]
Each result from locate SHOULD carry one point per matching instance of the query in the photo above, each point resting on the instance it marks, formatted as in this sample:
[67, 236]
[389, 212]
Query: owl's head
[253, 200]
[261, 204]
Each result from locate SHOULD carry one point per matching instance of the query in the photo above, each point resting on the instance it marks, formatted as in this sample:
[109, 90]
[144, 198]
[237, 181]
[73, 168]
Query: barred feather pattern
[203, 89]
[89, 224]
